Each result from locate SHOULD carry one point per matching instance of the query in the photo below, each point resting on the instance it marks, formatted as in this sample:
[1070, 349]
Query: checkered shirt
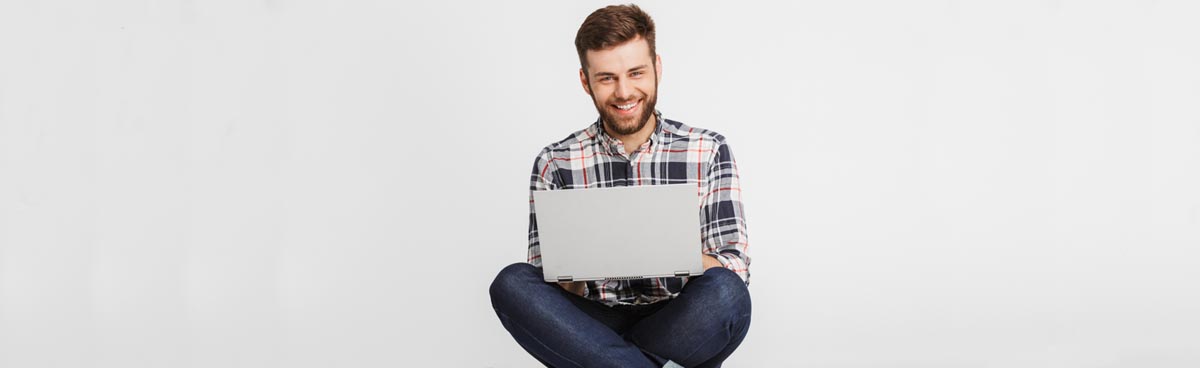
[674, 154]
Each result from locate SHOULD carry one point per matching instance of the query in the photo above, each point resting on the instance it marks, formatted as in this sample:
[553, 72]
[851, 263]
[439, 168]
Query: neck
[635, 140]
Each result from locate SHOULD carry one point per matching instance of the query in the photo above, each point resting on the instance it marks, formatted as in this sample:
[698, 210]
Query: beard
[629, 124]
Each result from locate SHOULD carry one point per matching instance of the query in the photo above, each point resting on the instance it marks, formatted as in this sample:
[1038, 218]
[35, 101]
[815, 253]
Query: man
[693, 322]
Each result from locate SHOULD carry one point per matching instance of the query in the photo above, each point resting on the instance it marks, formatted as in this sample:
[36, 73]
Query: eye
[637, 73]
[606, 78]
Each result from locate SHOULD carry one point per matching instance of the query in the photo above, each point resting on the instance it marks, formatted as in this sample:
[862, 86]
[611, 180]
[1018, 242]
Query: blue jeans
[699, 328]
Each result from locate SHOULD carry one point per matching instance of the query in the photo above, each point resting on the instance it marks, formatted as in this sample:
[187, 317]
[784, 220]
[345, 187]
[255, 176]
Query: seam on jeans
[702, 344]
[698, 346]
[509, 320]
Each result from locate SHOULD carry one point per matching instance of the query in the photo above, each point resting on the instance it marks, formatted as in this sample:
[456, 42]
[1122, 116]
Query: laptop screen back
[619, 233]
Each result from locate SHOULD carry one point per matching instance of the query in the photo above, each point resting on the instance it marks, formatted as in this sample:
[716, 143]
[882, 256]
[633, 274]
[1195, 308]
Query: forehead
[619, 58]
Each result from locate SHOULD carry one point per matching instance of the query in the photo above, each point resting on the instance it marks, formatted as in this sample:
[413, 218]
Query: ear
[658, 66]
[583, 80]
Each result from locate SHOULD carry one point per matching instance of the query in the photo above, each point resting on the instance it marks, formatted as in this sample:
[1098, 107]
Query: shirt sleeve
[723, 231]
[540, 179]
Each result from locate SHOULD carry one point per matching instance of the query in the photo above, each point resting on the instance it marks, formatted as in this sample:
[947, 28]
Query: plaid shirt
[674, 154]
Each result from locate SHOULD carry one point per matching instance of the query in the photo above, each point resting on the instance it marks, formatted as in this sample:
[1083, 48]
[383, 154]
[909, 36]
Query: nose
[623, 89]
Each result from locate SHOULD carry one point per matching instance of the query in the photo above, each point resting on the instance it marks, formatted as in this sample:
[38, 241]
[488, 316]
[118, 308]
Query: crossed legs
[699, 328]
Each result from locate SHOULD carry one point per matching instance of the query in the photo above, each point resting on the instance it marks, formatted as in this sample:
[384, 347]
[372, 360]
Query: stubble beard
[618, 126]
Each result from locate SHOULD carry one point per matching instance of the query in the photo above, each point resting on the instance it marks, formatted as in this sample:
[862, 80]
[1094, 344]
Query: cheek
[647, 86]
[601, 93]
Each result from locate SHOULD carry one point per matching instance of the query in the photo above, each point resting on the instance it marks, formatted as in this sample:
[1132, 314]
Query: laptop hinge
[565, 278]
[682, 273]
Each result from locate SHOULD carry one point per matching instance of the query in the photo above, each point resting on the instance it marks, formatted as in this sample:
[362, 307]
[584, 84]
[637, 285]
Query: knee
[729, 292]
[510, 280]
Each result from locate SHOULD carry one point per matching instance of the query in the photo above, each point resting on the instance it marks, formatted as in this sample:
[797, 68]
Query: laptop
[619, 233]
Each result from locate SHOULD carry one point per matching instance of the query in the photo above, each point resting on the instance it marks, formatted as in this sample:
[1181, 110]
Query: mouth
[627, 108]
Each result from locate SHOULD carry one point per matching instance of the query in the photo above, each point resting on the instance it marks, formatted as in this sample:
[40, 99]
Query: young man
[693, 322]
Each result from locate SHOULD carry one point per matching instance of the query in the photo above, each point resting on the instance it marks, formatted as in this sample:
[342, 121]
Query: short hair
[613, 25]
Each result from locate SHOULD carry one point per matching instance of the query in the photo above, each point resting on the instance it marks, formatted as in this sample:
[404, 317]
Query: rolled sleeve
[540, 179]
[723, 229]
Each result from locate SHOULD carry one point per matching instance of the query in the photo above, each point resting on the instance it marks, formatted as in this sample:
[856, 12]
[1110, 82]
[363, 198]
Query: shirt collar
[614, 145]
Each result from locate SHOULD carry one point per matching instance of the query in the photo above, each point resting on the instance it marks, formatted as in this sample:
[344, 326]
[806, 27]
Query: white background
[335, 183]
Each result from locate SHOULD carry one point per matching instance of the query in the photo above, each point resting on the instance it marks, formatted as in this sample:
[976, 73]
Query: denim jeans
[699, 328]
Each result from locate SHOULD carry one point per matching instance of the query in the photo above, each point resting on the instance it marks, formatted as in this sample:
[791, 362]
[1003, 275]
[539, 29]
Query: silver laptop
[619, 233]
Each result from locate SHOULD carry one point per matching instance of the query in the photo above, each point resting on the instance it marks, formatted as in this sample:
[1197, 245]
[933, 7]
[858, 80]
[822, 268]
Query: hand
[575, 287]
[710, 261]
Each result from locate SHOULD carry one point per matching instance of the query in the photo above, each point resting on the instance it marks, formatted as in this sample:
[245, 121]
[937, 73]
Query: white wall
[334, 184]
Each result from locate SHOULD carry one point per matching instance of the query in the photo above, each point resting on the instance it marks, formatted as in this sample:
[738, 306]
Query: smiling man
[668, 322]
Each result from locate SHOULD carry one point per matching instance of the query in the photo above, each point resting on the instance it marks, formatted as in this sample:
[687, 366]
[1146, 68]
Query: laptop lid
[619, 232]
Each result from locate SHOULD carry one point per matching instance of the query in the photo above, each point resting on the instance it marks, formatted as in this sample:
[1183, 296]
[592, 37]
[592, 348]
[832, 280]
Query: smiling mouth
[629, 106]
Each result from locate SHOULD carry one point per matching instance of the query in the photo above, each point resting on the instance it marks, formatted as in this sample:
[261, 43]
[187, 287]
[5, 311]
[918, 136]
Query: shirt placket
[617, 149]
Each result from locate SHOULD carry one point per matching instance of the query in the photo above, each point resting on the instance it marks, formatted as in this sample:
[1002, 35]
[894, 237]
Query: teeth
[627, 107]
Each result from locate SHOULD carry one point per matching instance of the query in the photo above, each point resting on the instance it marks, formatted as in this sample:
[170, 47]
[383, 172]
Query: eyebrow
[639, 67]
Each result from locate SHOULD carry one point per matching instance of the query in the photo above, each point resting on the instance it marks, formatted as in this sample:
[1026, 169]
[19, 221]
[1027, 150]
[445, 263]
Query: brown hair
[613, 25]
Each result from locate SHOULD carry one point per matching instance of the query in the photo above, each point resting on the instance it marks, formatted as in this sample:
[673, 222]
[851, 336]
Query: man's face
[623, 83]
